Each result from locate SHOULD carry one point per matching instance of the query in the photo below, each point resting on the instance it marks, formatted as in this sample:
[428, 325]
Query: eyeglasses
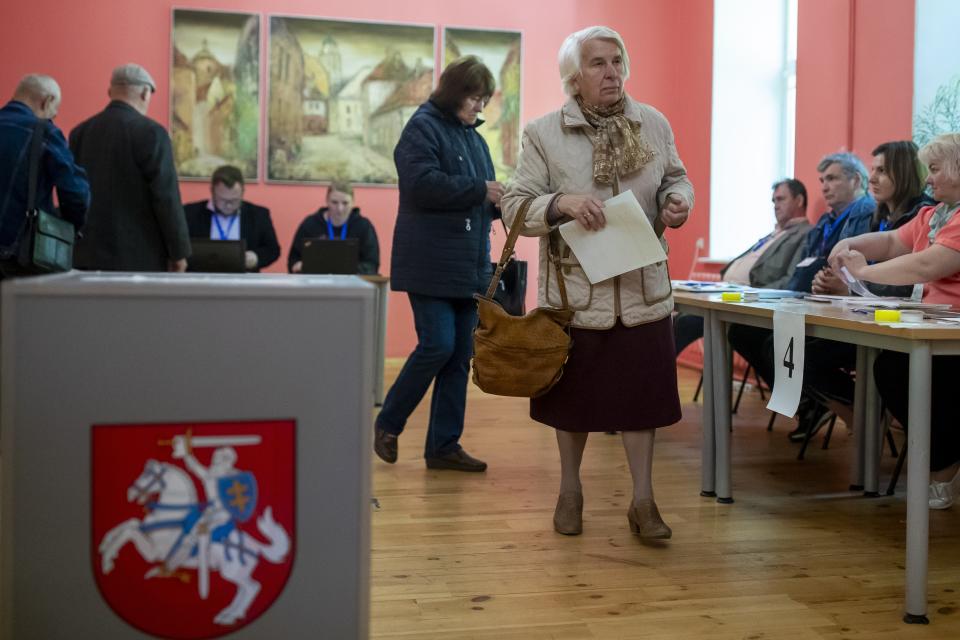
[481, 100]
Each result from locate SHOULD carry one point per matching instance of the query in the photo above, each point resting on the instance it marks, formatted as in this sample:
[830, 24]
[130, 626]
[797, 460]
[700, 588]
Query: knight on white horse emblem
[180, 533]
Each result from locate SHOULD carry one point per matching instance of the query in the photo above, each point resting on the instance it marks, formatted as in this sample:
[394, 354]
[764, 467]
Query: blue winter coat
[441, 241]
[826, 234]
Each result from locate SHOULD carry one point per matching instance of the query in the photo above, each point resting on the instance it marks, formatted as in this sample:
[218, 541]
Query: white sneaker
[942, 495]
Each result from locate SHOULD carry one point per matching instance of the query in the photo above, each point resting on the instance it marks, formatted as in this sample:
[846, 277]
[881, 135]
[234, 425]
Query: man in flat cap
[136, 220]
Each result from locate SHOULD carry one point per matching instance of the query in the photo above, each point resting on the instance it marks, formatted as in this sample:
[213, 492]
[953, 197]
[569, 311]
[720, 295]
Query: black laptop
[322, 255]
[217, 256]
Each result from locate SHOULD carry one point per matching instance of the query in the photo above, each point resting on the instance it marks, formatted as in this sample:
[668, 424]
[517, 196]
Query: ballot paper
[627, 242]
[855, 285]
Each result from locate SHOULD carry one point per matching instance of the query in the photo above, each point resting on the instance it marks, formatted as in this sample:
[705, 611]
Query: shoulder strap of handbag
[508, 251]
[36, 148]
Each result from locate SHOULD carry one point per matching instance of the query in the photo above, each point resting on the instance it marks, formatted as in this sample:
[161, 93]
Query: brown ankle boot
[645, 521]
[568, 518]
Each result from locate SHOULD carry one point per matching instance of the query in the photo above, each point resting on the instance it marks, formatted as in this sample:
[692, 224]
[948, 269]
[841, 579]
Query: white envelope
[628, 241]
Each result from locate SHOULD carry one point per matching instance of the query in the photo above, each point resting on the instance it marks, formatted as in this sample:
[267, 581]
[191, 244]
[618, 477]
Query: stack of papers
[876, 302]
[700, 286]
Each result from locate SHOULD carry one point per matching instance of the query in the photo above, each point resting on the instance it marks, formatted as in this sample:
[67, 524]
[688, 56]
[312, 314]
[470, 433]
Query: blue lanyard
[343, 231]
[830, 226]
[883, 225]
[217, 217]
[762, 241]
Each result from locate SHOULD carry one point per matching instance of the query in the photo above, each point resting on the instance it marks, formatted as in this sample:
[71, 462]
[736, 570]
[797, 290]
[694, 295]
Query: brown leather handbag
[520, 356]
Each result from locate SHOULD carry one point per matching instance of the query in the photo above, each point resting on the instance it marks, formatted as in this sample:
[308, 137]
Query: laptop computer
[217, 256]
[322, 255]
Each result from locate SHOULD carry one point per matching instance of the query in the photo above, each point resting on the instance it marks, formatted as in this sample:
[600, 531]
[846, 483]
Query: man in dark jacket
[136, 221]
[37, 98]
[227, 216]
[338, 220]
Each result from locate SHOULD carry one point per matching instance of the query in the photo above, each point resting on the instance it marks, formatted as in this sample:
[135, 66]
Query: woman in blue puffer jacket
[441, 257]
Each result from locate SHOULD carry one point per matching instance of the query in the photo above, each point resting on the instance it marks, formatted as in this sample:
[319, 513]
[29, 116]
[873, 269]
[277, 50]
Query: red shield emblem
[193, 524]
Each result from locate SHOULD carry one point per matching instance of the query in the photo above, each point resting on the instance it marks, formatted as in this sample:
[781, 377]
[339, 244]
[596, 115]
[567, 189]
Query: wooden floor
[475, 557]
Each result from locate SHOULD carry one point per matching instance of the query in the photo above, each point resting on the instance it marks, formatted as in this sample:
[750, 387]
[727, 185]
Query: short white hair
[36, 86]
[570, 55]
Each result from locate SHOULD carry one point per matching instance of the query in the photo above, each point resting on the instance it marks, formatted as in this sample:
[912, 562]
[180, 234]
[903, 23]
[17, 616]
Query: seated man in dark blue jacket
[338, 220]
[843, 182]
[227, 216]
[36, 98]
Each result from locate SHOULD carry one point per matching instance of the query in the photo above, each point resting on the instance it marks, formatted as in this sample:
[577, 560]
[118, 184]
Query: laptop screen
[217, 256]
[322, 255]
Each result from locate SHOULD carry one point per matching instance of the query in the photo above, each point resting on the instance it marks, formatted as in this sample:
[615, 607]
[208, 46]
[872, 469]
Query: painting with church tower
[501, 52]
[340, 93]
[215, 92]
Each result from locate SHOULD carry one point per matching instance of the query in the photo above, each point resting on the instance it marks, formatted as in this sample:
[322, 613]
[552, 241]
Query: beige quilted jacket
[557, 158]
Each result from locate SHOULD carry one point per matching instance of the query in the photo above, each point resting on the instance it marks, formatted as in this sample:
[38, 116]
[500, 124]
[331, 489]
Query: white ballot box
[185, 456]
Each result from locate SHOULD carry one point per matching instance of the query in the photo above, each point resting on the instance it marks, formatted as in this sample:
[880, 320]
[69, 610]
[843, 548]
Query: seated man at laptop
[227, 216]
[338, 220]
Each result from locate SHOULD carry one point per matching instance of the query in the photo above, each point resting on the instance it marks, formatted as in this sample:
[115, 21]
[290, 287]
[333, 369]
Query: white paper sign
[628, 241]
[789, 341]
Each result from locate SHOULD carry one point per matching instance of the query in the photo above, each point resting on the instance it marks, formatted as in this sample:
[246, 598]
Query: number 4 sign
[788, 350]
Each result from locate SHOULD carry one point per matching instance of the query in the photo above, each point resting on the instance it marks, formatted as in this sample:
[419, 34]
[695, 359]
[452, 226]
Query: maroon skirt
[617, 379]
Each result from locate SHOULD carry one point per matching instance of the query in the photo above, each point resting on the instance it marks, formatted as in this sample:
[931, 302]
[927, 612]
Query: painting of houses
[215, 92]
[337, 111]
[500, 51]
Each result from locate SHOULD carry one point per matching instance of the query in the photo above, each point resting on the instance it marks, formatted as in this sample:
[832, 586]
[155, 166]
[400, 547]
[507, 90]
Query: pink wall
[854, 81]
[82, 42]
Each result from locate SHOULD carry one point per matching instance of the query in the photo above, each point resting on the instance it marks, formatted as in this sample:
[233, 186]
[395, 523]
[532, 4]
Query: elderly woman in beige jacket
[621, 374]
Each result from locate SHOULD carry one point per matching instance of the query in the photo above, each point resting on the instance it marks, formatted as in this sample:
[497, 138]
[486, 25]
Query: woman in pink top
[924, 252]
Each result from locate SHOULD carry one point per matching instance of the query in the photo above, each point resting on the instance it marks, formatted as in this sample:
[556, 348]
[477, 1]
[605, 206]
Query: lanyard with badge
[343, 231]
[828, 228]
[225, 234]
[762, 241]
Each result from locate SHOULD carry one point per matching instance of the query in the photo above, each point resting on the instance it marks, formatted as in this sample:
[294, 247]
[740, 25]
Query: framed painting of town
[501, 52]
[340, 93]
[215, 92]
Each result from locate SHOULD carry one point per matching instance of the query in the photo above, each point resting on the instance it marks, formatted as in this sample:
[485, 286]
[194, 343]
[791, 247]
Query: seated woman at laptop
[926, 250]
[338, 220]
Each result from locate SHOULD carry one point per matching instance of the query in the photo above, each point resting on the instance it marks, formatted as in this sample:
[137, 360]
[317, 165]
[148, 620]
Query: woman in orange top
[924, 252]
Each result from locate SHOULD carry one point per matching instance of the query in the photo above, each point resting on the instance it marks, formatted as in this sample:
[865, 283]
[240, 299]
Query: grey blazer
[774, 268]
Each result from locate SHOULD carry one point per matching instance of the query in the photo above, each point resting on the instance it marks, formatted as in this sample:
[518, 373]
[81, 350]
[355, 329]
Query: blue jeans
[444, 346]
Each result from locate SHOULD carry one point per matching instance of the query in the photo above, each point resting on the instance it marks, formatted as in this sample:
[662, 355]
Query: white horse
[170, 498]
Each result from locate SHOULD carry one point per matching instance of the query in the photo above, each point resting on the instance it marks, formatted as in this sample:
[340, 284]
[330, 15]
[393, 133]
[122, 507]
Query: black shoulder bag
[46, 240]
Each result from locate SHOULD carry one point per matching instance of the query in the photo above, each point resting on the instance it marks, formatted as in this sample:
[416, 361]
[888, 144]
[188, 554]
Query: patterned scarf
[941, 216]
[618, 147]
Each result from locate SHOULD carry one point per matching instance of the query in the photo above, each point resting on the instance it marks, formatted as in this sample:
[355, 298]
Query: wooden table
[841, 324]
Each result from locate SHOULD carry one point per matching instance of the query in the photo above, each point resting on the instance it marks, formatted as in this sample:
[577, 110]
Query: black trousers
[687, 329]
[892, 374]
[826, 364]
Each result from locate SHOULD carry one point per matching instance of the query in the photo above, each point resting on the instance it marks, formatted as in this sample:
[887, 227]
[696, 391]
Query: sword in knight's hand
[188, 442]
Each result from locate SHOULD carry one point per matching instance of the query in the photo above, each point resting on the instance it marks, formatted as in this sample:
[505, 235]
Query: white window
[754, 114]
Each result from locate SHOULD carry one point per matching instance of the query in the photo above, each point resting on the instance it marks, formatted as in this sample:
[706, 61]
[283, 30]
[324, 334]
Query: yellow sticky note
[886, 315]
[731, 296]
